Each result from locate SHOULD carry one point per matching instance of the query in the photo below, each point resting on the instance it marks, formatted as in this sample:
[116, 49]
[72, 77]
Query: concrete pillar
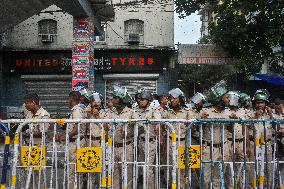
[83, 55]
[1, 81]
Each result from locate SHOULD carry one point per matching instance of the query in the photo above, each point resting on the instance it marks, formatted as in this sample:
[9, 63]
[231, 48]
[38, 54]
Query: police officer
[37, 131]
[123, 137]
[236, 138]
[245, 102]
[196, 105]
[178, 110]
[77, 112]
[212, 149]
[261, 133]
[145, 111]
[94, 131]
[279, 114]
[197, 101]
[35, 111]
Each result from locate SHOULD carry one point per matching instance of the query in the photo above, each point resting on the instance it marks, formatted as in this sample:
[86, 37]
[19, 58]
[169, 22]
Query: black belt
[121, 144]
[72, 139]
[236, 140]
[180, 139]
[206, 143]
[253, 139]
[92, 138]
[86, 137]
[150, 139]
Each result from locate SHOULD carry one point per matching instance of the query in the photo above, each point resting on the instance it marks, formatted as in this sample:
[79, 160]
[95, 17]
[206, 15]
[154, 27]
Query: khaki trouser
[180, 172]
[38, 178]
[94, 179]
[237, 155]
[268, 172]
[151, 153]
[211, 172]
[72, 165]
[119, 177]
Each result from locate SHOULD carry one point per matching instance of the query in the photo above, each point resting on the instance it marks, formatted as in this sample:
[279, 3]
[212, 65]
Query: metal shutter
[53, 91]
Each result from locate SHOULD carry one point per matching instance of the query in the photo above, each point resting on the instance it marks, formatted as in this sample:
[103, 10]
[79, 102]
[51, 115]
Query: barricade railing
[141, 153]
[6, 154]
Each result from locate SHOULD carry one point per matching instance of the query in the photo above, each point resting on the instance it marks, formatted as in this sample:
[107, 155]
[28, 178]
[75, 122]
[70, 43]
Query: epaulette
[83, 106]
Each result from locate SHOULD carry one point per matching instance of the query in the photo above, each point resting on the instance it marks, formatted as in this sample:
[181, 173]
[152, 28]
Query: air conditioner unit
[47, 38]
[133, 38]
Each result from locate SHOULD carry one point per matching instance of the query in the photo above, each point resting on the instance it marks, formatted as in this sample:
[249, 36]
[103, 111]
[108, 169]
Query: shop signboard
[203, 54]
[38, 62]
[129, 61]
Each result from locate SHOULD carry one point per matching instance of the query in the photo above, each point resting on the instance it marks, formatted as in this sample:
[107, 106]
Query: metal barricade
[140, 153]
[5, 155]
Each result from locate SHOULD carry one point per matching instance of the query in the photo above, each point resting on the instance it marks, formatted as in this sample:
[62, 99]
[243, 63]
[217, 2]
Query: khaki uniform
[180, 130]
[280, 149]
[238, 130]
[77, 112]
[261, 130]
[195, 131]
[214, 154]
[237, 153]
[94, 130]
[37, 128]
[121, 140]
[93, 138]
[149, 113]
[163, 112]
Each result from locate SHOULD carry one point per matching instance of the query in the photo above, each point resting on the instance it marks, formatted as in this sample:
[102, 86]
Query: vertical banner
[82, 55]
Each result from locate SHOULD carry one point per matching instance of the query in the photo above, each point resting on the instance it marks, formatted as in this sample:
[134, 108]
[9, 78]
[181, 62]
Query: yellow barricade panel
[194, 157]
[89, 160]
[37, 156]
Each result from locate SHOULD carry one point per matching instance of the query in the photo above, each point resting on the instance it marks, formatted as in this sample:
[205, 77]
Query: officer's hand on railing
[281, 130]
[258, 113]
[233, 116]
[269, 112]
[204, 115]
[60, 137]
[249, 153]
[106, 126]
[96, 113]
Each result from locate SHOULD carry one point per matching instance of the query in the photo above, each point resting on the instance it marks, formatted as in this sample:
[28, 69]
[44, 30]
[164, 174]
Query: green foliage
[187, 7]
[206, 39]
[204, 76]
[246, 29]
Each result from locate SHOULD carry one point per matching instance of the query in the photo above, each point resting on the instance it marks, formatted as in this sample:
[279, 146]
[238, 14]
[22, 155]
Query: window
[47, 30]
[101, 38]
[134, 31]
[134, 26]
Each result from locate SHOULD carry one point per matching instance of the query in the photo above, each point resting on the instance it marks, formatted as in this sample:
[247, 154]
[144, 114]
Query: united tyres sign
[203, 54]
[38, 62]
[130, 61]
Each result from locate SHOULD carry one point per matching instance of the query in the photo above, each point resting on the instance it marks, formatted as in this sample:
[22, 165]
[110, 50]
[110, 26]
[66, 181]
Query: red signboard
[130, 61]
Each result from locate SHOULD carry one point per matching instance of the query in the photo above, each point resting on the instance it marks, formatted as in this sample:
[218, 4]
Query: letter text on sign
[141, 61]
[113, 61]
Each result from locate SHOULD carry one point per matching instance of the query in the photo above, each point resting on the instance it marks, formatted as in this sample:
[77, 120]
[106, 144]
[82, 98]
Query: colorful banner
[82, 55]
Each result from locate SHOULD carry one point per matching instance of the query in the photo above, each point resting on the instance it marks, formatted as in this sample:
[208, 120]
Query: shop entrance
[53, 91]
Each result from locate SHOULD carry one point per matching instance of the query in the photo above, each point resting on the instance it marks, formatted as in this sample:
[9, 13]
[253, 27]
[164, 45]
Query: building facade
[136, 50]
